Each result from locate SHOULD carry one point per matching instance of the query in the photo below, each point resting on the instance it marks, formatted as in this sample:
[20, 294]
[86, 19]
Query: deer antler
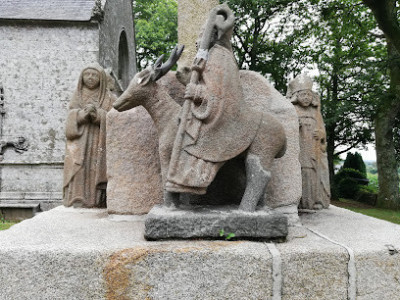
[161, 70]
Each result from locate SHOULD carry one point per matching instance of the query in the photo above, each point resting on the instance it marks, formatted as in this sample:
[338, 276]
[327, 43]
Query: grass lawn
[6, 225]
[384, 214]
[379, 213]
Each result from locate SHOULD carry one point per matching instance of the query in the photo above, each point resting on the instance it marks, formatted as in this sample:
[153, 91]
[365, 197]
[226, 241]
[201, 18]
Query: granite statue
[215, 125]
[324, 187]
[144, 90]
[85, 178]
[313, 156]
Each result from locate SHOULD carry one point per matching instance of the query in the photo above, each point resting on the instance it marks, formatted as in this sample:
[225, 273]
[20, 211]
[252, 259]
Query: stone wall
[40, 64]
[114, 53]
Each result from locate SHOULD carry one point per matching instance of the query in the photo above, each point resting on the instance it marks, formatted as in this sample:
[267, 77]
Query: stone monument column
[192, 14]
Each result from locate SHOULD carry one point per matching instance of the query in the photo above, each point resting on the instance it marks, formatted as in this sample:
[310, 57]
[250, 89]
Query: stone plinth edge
[213, 223]
[69, 254]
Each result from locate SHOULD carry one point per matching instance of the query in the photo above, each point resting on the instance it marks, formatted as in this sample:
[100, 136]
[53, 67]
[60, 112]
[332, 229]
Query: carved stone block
[213, 222]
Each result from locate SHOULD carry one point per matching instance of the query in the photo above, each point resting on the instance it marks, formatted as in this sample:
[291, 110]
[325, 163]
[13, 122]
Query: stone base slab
[210, 222]
[69, 254]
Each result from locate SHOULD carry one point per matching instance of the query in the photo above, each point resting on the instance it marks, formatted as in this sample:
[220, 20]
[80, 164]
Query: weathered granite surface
[85, 168]
[377, 266]
[259, 94]
[139, 143]
[133, 166]
[216, 124]
[192, 222]
[71, 253]
[134, 172]
[191, 15]
[284, 190]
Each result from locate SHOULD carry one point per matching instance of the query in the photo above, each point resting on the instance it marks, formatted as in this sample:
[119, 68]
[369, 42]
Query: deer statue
[144, 90]
[269, 141]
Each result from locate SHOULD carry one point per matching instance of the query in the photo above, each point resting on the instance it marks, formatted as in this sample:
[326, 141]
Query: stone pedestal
[210, 222]
[69, 253]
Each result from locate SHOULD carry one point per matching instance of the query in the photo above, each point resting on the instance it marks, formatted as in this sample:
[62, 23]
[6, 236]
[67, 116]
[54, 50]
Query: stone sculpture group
[215, 125]
[226, 122]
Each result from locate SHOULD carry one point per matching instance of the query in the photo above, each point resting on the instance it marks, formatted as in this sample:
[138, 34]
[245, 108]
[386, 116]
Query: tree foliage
[347, 182]
[156, 23]
[386, 13]
[355, 161]
[337, 40]
[269, 37]
[352, 70]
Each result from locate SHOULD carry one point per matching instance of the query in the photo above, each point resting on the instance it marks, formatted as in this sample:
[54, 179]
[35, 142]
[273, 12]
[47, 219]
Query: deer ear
[144, 78]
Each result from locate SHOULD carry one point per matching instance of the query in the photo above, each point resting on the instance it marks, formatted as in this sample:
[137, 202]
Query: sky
[367, 155]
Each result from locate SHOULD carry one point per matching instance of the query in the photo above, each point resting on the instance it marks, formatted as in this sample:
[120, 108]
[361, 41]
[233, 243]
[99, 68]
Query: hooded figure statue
[313, 157]
[85, 177]
[215, 124]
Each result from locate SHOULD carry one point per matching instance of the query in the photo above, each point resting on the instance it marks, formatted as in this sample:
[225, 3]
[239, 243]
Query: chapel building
[44, 45]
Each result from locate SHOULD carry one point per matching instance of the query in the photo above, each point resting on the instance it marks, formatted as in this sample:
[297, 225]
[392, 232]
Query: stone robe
[313, 156]
[85, 168]
[217, 125]
[309, 150]
[324, 188]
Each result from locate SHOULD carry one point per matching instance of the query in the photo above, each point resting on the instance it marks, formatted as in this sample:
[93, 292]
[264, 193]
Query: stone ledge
[19, 200]
[11, 196]
[71, 253]
[18, 211]
[206, 222]
[20, 205]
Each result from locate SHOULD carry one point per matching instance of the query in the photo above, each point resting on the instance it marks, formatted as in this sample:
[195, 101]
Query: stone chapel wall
[115, 53]
[40, 64]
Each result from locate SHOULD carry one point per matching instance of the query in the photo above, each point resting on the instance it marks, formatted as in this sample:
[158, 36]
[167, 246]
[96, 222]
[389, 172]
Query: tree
[280, 39]
[387, 16]
[156, 23]
[268, 38]
[355, 161]
[350, 63]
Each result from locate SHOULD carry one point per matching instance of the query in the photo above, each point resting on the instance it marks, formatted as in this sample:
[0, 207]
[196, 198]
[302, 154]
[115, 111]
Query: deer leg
[257, 180]
[171, 199]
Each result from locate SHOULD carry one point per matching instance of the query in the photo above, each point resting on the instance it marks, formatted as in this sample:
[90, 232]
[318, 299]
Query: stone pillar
[192, 14]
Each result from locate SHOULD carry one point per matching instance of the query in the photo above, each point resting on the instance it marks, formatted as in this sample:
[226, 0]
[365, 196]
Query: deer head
[143, 85]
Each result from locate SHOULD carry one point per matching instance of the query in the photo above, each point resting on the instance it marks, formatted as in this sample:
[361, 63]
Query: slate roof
[67, 10]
